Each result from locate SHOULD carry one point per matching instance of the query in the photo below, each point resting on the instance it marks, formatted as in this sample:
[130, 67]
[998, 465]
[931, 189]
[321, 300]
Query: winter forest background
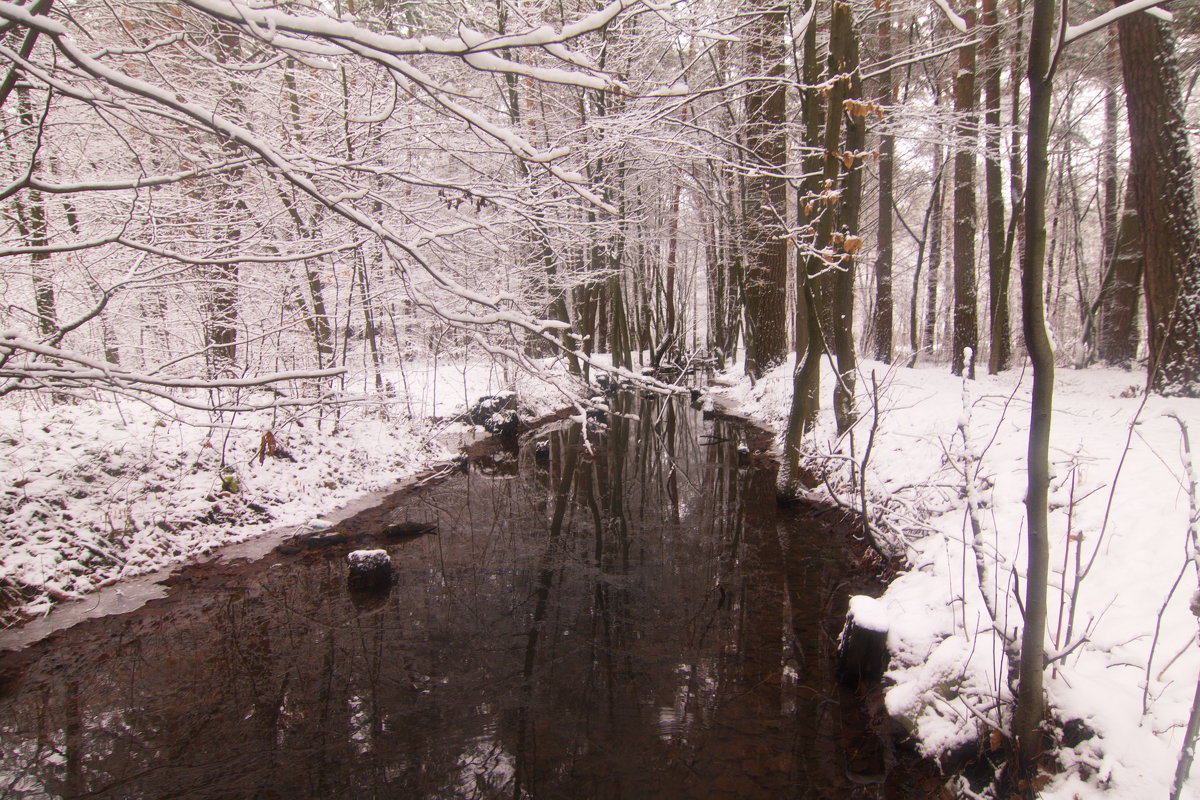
[211, 191]
[287, 218]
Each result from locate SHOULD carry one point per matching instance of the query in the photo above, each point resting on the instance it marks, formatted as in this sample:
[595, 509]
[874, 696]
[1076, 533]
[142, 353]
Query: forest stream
[636, 618]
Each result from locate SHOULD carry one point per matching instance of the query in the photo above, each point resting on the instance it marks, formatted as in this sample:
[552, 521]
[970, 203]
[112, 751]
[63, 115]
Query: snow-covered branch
[1108, 17]
[59, 367]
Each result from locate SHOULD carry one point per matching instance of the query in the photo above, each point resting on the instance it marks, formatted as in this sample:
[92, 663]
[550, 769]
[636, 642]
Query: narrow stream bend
[637, 620]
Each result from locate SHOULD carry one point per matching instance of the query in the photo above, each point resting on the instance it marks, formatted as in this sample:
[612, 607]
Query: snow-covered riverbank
[1121, 584]
[94, 492]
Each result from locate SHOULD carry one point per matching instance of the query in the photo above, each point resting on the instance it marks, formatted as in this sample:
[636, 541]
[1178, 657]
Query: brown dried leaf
[266, 447]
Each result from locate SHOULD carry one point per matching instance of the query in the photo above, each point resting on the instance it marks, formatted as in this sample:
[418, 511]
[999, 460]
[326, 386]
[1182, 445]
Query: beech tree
[829, 200]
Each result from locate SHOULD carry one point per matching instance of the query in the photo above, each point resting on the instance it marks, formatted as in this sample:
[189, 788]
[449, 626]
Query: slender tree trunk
[1015, 238]
[848, 214]
[914, 330]
[316, 318]
[370, 329]
[31, 220]
[1000, 350]
[1164, 186]
[936, 227]
[539, 244]
[1030, 709]
[882, 323]
[966, 322]
[112, 352]
[1080, 263]
[620, 341]
[672, 264]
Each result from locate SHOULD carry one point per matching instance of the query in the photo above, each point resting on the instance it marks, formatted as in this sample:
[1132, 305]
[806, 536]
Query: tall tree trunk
[224, 277]
[882, 322]
[370, 328]
[671, 329]
[811, 278]
[541, 249]
[936, 229]
[966, 321]
[30, 213]
[1000, 350]
[1165, 191]
[1030, 709]
[844, 33]
[914, 328]
[765, 289]
[1117, 338]
[316, 319]
[1015, 237]
[1110, 178]
[1112, 329]
[1016, 169]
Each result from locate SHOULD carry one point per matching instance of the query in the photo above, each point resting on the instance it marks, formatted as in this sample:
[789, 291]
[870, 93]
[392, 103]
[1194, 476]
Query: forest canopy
[202, 191]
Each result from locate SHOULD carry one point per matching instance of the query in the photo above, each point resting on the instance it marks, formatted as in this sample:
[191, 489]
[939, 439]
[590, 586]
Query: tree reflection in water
[631, 619]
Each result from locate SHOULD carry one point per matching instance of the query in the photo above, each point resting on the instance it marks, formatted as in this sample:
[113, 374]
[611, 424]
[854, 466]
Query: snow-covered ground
[1121, 581]
[93, 492]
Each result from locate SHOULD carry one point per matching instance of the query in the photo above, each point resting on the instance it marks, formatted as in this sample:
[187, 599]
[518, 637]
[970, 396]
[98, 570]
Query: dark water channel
[637, 621]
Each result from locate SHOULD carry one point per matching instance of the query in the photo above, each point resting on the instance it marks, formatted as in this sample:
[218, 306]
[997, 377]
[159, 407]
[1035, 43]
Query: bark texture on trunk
[966, 313]
[765, 289]
[1166, 203]
[884, 305]
[846, 63]
[1000, 351]
[1117, 327]
[1030, 709]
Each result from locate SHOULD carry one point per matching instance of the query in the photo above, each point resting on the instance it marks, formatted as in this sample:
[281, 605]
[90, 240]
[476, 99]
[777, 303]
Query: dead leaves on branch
[862, 109]
[849, 243]
[849, 159]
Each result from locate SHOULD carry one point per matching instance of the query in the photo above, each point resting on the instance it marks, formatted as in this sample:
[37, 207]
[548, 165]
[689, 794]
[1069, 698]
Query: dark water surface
[637, 621]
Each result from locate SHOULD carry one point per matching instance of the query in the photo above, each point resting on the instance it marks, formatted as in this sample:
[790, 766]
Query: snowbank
[1118, 616]
[95, 491]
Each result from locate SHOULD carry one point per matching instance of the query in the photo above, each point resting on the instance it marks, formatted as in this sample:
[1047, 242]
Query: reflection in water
[630, 619]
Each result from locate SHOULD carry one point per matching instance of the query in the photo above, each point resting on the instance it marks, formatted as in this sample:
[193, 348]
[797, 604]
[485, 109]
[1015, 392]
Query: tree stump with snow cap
[369, 570]
[862, 654]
